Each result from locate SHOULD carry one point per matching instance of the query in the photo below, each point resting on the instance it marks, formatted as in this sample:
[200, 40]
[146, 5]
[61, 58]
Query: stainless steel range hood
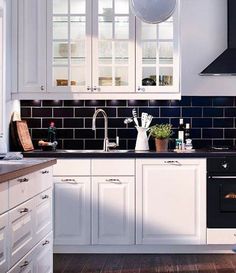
[225, 64]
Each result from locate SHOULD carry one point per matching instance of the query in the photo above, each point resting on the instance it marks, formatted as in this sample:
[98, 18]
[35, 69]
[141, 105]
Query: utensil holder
[142, 139]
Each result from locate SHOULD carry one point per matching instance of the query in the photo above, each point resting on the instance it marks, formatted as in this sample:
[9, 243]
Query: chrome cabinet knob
[96, 88]
[141, 89]
[225, 165]
[42, 88]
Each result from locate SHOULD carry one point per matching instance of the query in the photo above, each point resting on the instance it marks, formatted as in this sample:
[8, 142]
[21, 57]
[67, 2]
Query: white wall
[203, 38]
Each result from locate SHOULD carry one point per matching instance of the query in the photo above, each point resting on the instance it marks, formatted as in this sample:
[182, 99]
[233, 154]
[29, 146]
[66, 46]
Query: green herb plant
[161, 131]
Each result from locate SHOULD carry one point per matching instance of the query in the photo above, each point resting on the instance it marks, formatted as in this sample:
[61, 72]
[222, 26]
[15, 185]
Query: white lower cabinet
[21, 221]
[113, 210]
[72, 210]
[171, 201]
[3, 242]
[43, 214]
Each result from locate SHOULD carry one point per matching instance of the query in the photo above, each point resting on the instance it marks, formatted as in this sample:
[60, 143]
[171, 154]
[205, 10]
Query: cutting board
[24, 135]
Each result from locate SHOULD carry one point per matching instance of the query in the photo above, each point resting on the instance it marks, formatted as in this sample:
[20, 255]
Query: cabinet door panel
[3, 242]
[3, 197]
[171, 204]
[21, 220]
[32, 45]
[113, 210]
[43, 214]
[25, 265]
[72, 211]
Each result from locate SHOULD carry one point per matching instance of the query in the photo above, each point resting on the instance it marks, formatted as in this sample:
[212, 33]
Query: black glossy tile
[116, 103]
[223, 101]
[195, 133]
[223, 142]
[40, 134]
[137, 103]
[30, 103]
[111, 133]
[25, 112]
[154, 111]
[74, 103]
[125, 112]
[93, 144]
[213, 112]
[230, 133]
[73, 123]
[73, 144]
[123, 145]
[131, 144]
[170, 112]
[127, 133]
[192, 112]
[65, 133]
[160, 121]
[46, 122]
[116, 123]
[111, 111]
[41, 112]
[202, 122]
[212, 133]
[201, 143]
[84, 112]
[223, 122]
[99, 123]
[201, 101]
[159, 103]
[63, 112]
[84, 133]
[185, 101]
[33, 122]
[52, 103]
[230, 112]
[95, 103]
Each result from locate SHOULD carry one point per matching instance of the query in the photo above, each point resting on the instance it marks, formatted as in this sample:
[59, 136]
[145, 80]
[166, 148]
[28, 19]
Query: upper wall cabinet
[94, 49]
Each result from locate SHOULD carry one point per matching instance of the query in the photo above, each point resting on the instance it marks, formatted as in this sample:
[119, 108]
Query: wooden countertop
[16, 168]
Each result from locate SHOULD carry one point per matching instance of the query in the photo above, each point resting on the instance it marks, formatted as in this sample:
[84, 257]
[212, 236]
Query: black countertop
[203, 153]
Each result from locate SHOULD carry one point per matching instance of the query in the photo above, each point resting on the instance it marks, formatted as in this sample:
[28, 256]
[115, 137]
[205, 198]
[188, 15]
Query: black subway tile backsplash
[212, 119]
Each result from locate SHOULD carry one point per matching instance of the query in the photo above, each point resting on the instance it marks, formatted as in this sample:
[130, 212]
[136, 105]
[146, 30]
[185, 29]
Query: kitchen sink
[97, 151]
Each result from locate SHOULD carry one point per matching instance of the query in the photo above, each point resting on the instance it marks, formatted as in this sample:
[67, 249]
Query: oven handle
[222, 177]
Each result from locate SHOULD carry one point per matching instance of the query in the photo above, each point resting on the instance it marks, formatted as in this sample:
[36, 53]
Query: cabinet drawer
[221, 236]
[44, 180]
[113, 167]
[21, 225]
[3, 197]
[72, 167]
[22, 189]
[43, 214]
[3, 243]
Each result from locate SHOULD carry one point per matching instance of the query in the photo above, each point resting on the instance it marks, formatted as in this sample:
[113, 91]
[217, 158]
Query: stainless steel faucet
[106, 143]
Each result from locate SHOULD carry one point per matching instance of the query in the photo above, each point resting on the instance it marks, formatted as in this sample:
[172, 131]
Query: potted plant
[161, 133]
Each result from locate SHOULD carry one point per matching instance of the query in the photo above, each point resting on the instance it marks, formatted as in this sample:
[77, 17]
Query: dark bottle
[181, 130]
[52, 132]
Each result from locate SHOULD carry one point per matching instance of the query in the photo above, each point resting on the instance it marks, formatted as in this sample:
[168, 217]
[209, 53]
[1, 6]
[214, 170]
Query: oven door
[221, 202]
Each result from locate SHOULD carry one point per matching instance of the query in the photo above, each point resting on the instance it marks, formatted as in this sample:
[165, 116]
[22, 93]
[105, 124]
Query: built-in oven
[221, 192]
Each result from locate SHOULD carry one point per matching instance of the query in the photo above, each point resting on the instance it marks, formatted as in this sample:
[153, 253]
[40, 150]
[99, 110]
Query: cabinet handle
[73, 181]
[45, 196]
[141, 89]
[45, 172]
[96, 88]
[46, 243]
[26, 263]
[114, 181]
[42, 88]
[23, 180]
[24, 210]
[89, 88]
[173, 162]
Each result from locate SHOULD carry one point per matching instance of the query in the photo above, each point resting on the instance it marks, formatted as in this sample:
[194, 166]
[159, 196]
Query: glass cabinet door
[69, 45]
[113, 46]
[157, 56]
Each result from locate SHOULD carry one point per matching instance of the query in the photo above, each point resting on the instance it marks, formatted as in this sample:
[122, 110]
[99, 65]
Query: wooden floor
[99, 263]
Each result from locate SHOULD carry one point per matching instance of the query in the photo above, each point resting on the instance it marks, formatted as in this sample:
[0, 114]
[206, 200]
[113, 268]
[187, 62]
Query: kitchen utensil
[148, 121]
[128, 120]
[143, 119]
[24, 136]
[134, 112]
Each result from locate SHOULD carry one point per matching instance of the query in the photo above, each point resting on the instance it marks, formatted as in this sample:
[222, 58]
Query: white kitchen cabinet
[21, 225]
[171, 201]
[113, 210]
[43, 214]
[3, 197]
[72, 167]
[72, 210]
[3, 242]
[25, 265]
[45, 180]
[32, 46]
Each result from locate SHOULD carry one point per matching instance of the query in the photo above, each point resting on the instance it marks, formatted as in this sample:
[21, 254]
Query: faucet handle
[117, 141]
